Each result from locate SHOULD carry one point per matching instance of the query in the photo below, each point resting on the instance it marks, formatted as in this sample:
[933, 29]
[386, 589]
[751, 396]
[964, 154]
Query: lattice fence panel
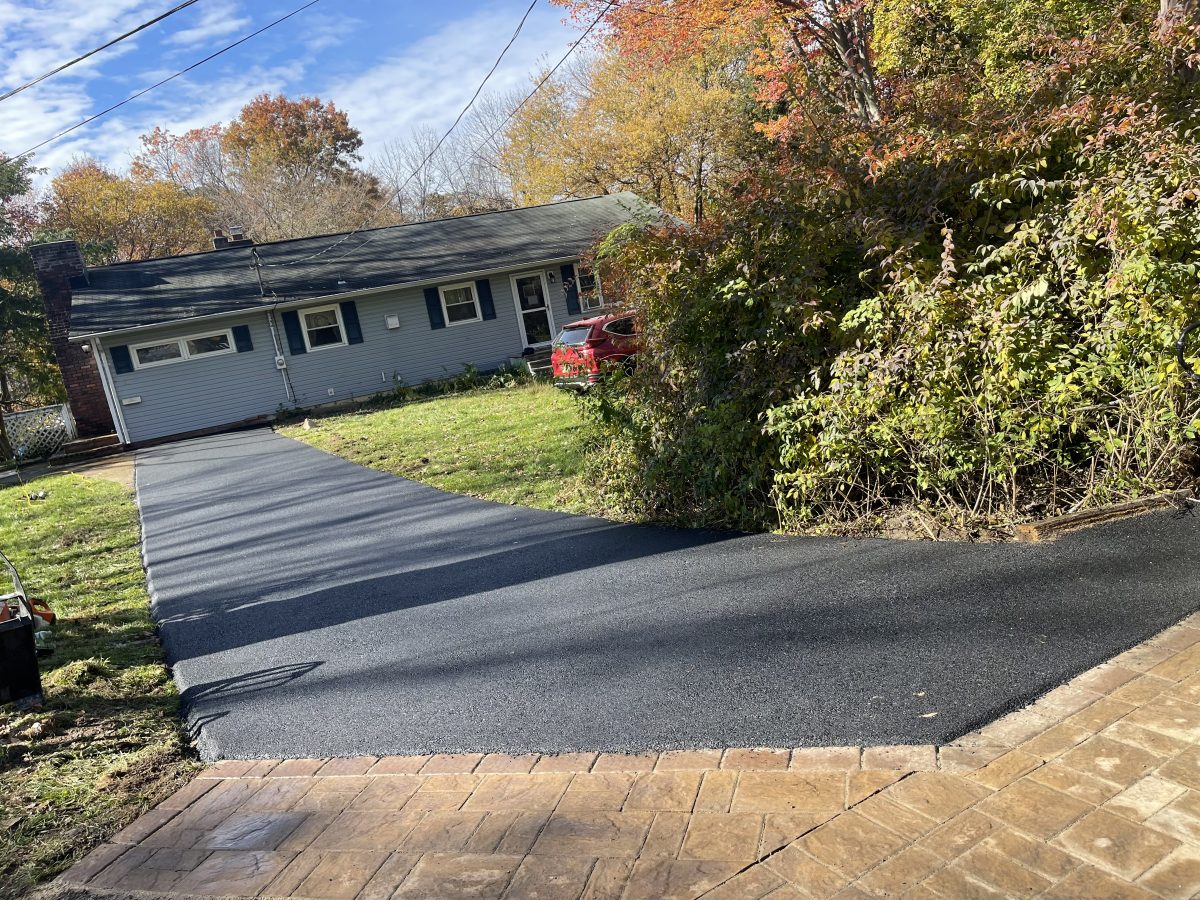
[37, 433]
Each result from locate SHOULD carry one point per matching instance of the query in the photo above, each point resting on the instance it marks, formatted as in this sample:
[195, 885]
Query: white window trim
[442, 288]
[579, 293]
[308, 311]
[183, 349]
[512, 280]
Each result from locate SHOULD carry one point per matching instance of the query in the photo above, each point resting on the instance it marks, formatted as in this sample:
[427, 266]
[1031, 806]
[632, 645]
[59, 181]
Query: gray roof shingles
[158, 291]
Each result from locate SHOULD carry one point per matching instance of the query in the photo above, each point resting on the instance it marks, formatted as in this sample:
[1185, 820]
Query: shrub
[972, 309]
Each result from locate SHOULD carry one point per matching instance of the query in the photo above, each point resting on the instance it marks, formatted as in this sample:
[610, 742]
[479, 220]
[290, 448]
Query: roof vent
[219, 239]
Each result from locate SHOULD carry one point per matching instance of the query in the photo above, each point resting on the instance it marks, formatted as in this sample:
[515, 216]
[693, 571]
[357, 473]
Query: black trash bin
[20, 681]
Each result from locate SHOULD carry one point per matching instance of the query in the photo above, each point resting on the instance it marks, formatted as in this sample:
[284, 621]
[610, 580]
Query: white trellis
[38, 433]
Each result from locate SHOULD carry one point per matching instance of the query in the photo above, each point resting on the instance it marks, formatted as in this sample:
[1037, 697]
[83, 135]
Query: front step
[88, 448]
[539, 364]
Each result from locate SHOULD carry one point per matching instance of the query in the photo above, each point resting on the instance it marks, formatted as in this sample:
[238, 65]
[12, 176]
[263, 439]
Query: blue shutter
[571, 289]
[295, 337]
[350, 320]
[433, 303]
[487, 308]
[241, 338]
[122, 361]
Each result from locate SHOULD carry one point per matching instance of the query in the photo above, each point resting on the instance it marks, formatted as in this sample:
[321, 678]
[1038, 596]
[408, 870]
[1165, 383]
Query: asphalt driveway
[311, 607]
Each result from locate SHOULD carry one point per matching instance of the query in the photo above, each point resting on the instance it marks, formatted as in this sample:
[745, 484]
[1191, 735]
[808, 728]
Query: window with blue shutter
[241, 338]
[122, 361]
[433, 304]
[291, 328]
[570, 288]
[487, 306]
[350, 320]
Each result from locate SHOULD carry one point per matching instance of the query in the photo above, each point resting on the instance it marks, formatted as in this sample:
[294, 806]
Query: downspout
[110, 391]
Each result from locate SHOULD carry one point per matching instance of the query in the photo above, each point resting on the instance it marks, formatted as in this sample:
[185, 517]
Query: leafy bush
[1036, 374]
[970, 307]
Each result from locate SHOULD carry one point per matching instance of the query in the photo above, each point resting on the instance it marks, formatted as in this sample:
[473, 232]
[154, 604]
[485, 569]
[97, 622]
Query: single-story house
[186, 344]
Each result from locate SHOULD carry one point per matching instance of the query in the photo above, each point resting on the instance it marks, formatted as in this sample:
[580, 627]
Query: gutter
[332, 298]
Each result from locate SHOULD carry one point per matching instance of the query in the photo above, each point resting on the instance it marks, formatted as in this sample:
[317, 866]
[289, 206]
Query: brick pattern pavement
[1092, 791]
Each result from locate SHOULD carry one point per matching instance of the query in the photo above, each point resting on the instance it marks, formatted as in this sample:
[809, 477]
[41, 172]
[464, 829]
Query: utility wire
[476, 152]
[159, 84]
[537, 87]
[396, 193]
[114, 41]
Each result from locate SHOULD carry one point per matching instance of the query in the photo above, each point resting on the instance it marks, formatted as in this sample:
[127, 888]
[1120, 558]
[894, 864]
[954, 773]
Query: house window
[323, 327]
[161, 353]
[460, 304]
[157, 354]
[588, 286]
[208, 343]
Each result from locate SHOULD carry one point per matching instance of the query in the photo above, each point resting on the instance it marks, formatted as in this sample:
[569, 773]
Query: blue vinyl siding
[203, 393]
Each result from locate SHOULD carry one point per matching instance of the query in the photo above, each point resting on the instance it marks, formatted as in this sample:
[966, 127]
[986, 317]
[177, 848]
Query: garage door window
[163, 352]
[157, 354]
[209, 343]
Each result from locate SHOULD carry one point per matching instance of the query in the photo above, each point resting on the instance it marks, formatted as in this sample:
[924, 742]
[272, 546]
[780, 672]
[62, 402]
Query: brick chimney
[55, 266]
[237, 237]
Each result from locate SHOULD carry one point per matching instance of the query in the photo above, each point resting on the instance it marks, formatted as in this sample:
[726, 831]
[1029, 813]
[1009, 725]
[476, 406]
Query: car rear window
[622, 327]
[575, 335]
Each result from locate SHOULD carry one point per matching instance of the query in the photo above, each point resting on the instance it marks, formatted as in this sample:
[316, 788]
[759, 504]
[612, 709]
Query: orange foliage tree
[282, 169]
[125, 217]
[804, 48]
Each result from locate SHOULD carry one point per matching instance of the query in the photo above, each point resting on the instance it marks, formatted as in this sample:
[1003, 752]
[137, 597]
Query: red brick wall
[55, 265]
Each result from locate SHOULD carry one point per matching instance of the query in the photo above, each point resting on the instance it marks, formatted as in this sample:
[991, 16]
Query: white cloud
[432, 79]
[424, 83]
[217, 20]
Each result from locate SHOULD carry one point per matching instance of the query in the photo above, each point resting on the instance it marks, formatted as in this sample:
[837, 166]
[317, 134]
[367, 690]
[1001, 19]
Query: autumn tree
[133, 217]
[431, 181]
[283, 168]
[668, 132]
[28, 375]
[809, 51]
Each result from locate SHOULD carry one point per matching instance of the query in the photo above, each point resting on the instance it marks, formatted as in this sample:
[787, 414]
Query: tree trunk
[843, 32]
[1173, 17]
[1173, 13]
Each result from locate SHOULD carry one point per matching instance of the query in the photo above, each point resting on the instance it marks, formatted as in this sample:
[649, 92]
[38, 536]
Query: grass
[523, 445]
[108, 743]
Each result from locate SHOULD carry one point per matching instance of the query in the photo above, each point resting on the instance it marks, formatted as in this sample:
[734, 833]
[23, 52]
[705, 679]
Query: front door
[533, 309]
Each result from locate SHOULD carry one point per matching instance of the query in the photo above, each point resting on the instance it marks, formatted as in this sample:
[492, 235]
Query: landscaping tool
[20, 680]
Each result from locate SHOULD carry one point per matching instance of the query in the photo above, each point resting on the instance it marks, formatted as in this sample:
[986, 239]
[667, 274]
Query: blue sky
[391, 66]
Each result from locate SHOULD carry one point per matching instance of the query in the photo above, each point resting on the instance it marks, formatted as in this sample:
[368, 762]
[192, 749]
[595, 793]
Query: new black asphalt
[311, 607]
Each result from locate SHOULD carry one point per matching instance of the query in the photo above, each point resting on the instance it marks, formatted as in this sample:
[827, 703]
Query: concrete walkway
[1093, 791]
[117, 468]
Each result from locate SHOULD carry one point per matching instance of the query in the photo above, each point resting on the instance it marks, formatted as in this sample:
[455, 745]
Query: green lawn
[524, 445]
[108, 743]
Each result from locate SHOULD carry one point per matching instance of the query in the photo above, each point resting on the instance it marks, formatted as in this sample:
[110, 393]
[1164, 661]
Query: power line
[537, 87]
[116, 40]
[574, 46]
[159, 84]
[396, 193]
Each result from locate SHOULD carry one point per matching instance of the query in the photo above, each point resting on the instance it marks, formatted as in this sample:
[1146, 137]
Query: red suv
[585, 350]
